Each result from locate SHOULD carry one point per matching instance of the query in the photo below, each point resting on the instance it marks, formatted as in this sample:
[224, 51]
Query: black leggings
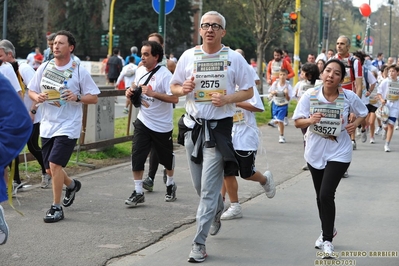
[34, 148]
[325, 182]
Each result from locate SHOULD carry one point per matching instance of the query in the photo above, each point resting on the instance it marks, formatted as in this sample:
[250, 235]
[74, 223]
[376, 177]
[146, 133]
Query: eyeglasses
[215, 26]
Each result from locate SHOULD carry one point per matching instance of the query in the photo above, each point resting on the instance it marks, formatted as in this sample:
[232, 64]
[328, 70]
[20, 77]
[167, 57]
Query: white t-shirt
[128, 80]
[237, 74]
[65, 120]
[27, 73]
[246, 134]
[158, 116]
[8, 71]
[31, 59]
[280, 88]
[371, 80]
[319, 150]
[383, 90]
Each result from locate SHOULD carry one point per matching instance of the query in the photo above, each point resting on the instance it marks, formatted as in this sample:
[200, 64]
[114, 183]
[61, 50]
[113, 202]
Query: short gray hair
[51, 37]
[348, 41]
[7, 46]
[215, 13]
[134, 50]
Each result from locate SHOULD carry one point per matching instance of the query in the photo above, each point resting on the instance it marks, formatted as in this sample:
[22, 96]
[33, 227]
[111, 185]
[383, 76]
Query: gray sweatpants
[207, 180]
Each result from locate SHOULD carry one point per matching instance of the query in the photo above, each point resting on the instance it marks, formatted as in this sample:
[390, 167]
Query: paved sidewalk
[99, 229]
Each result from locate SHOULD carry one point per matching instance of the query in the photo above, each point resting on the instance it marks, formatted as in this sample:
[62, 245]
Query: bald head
[241, 52]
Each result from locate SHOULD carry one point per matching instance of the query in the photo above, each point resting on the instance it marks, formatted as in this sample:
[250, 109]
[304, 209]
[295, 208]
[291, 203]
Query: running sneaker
[198, 253]
[70, 194]
[358, 132]
[134, 199]
[216, 224]
[269, 187]
[328, 250]
[271, 123]
[3, 227]
[46, 181]
[346, 175]
[286, 121]
[364, 136]
[353, 145]
[319, 242]
[305, 167]
[378, 130]
[125, 110]
[386, 148]
[384, 134]
[372, 140]
[170, 193]
[53, 215]
[234, 212]
[397, 127]
[148, 184]
[281, 139]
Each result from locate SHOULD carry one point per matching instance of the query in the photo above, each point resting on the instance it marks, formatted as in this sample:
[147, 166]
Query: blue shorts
[57, 150]
[279, 112]
[391, 120]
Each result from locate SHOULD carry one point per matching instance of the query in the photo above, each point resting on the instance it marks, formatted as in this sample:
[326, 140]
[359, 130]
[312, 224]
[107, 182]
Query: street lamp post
[390, 2]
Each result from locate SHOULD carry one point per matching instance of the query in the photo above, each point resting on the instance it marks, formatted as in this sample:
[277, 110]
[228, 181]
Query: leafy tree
[25, 25]
[82, 18]
[135, 20]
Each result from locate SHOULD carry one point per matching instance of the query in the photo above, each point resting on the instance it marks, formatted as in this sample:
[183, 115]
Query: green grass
[123, 150]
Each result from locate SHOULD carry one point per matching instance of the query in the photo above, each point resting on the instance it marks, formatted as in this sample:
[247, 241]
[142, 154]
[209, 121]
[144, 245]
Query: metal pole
[320, 26]
[5, 19]
[111, 26]
[297, 41]
[161, 18]
[368, 32]
[390, 28]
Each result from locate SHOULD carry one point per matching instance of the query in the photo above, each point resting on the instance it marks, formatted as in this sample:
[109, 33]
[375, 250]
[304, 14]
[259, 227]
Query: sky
[375, 4]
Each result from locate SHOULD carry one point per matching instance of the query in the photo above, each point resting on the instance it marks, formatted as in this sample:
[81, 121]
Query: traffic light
[325, 27]
[293, 21]
[104, 40]
[116, 40]
[286, 21]
[354, 39]
[358, 41]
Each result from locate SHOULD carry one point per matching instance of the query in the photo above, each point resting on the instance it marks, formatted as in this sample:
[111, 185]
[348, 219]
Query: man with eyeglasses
[207, 75]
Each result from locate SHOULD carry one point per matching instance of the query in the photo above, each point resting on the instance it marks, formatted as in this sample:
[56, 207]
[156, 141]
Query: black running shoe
[70, 194]
[135, 198]
[53, 215]
[171, 193]
[148, 184]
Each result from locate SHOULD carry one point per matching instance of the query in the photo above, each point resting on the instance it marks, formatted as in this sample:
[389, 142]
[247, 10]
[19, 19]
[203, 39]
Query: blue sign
[369, 41]
[169, 6]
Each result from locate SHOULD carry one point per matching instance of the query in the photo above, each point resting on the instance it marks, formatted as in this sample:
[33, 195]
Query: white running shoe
[397, 127]
[286, 121]
[234, 212]
[281, 139]
[372, 141]
[353, 145]
[269, 187]
[358, 132]
[271, 123]
[378, 131]
[328, 250]
[386, 148]
[319, 242]
[384, 134]
[363, 136]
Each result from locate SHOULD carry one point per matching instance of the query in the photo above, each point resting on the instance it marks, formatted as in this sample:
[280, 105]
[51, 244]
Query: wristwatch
[33, 111]
[78, 98]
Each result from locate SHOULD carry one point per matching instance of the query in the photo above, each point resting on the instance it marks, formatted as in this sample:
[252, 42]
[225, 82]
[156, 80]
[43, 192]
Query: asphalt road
[99, 229]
